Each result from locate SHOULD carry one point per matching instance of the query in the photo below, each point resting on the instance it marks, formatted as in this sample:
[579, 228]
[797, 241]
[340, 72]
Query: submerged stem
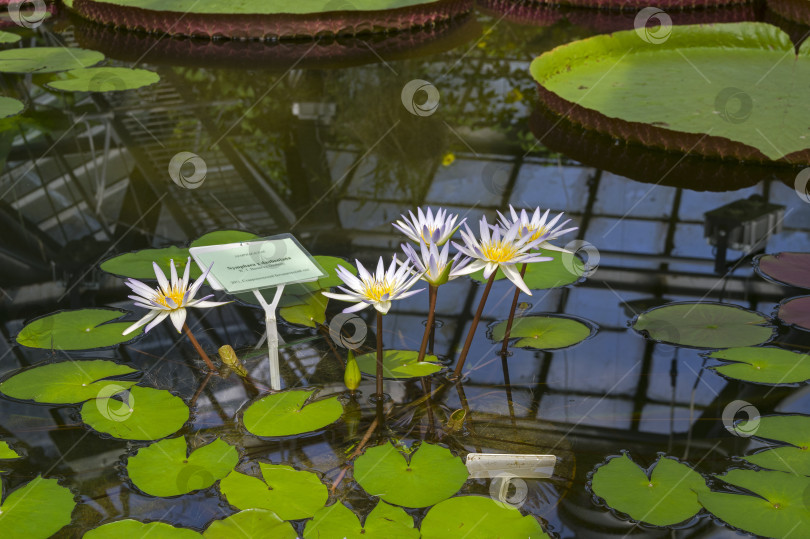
[379, 356]
[463, 357]
[432, 293]
[198, 348]
[508, 330]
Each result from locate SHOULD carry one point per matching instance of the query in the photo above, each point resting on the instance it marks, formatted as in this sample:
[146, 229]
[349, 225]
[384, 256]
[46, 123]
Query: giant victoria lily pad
[264, 19]
[735, 97]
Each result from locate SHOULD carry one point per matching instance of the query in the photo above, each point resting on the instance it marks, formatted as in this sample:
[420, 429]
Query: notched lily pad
[663, 497]
[290, 412]
[142, 413]
[542, 275]
[291, 494]
[399, 364]
[476, 517]
[166, 469]
[793, 456]
[37, 509]
[249, 524]
[762, 365]
[130, 528]
[82, 329]
[426, 476]
[103, 79]
[704, 325]
[67, 382]
[338, 521]
[792, 269]
[47, 59]
[545, 332]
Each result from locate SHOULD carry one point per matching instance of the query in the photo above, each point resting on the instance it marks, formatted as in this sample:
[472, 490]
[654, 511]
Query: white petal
[161, 277]
[158, 319]
[145, 320]
[178, 319]
[514, 275]
[354, 308]
[202, 304]
[173, 273]
[383, 306]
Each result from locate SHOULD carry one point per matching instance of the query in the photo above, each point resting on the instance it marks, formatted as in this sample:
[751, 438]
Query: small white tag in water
[491, 465]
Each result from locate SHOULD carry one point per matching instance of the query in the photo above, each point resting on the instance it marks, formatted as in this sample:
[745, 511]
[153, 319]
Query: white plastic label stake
[492, 465]
[272, 335]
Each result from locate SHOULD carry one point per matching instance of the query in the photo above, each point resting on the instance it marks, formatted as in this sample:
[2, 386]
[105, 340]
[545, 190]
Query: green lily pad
[134, 529]
[10, 106]
[792, 269]
[103, 79]
[476, 517]
[762, 365]
[37, 509]
[426, 476]
[545, 332]
[8, 37]
[778, 509]
[666, 497]
[82, 329]
[399, 364]
[542, 275]
[47, 59]
[166, 469]
[249, 524]
[338, 522]
[793, 430]
[6, 452]
[67, 382]
[221, 237]
[704, 325]
[289, 412]
[795, 312]
[290, 493]
[142, 413]
[621, 85]
[311, 313]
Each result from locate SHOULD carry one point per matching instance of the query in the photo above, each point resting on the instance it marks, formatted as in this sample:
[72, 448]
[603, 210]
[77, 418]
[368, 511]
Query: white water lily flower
[537, 227]
[169, 299]
[436, 266]
[426, 228]
[378, 289]
[499, 249]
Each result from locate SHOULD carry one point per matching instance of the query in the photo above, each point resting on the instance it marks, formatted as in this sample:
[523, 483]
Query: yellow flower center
[175, 294]
[535, 232]
[499, 251]
[430, 230]
[375, 290]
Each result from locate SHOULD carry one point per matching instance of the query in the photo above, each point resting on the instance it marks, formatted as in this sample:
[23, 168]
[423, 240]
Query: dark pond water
[312, 138]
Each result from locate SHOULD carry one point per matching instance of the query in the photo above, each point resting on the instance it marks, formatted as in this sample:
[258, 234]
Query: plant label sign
[257, 264]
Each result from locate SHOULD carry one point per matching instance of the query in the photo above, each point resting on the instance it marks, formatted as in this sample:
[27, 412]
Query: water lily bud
[228, 356]
[352, 375]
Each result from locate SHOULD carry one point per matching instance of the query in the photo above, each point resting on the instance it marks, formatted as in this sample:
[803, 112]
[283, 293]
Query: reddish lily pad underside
[792, 269]
[795, 312]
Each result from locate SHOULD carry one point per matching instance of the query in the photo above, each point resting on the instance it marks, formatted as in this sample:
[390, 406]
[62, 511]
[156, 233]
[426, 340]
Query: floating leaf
[762, 365]
[165, 469]
[545, 332]
[792, 269]
[249, 524]
[142, 413]
[476, 517]
[425, 477]
[47, 59]
[550, 274]
[795, 312]
[8, 37]
[399, 364]
[103, 79]
[141, 530]
[222, 237]
[81, 329]
[667, 497]
[288, 412]
[338, 521]
[704, 325]
[789, 429]
[6, 452]
[778, 509]
[290, 493]
[67, 382]
[37, 509]
[311, 313]
[10, 106]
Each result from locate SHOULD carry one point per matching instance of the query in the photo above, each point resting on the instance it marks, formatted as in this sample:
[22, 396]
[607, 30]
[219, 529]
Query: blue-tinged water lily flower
[377, 289]
[427, 227]
[537, 227]
[435, 265]
[499, 248]
[169, 299]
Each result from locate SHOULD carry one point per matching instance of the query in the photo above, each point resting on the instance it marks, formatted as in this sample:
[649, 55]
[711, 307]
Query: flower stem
[508, 330]
[198, 348]
[432, 293]
[463, 357]
[379, 356]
